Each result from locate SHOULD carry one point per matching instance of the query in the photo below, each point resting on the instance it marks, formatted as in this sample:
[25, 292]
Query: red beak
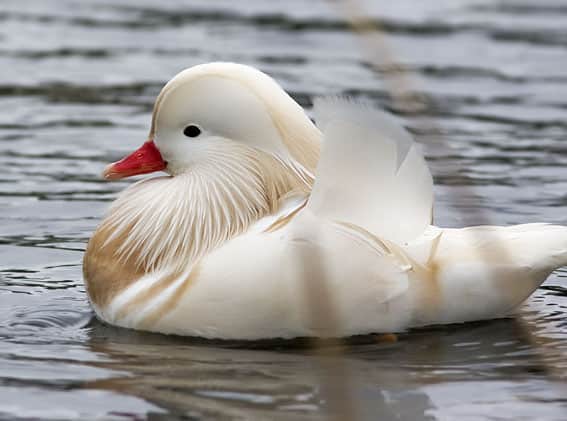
[144, 160]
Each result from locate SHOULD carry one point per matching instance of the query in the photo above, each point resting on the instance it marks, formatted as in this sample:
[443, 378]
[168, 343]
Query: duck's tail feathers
[538, 247]
[542, 246]
[370, 173]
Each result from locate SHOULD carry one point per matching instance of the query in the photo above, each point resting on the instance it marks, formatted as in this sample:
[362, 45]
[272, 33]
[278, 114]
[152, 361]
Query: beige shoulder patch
[105, 275]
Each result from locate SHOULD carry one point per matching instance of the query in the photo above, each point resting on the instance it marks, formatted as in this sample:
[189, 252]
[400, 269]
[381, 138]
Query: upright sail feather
[370, 173]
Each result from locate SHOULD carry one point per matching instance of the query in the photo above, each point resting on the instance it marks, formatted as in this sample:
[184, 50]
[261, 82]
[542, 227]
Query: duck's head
[215, 112]
[234, 143]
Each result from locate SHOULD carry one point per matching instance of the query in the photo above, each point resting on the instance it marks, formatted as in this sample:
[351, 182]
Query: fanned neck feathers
[168, 223]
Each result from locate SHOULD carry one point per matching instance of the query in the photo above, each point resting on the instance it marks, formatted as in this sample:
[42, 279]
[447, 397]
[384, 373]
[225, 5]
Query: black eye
[192, 131]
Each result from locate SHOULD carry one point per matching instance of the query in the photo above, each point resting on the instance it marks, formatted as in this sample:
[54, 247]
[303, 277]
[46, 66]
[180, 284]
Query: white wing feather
[370, 173]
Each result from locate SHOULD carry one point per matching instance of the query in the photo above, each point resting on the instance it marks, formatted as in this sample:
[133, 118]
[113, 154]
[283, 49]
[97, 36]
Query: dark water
[77, 83]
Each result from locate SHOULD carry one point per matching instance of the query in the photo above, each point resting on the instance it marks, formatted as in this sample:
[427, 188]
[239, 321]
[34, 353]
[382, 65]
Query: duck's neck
[171, 222]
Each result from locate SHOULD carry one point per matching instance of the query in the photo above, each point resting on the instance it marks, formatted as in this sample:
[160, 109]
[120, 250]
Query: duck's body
[171, 258]
[253, 286]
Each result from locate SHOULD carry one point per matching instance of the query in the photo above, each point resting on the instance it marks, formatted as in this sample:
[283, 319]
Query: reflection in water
[402, 380]
[78, 81]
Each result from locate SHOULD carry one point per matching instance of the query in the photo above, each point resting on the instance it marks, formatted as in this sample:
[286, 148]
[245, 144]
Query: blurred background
[77, 83]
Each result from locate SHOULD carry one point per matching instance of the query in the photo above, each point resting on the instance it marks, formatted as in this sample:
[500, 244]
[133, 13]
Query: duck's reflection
[282, 379]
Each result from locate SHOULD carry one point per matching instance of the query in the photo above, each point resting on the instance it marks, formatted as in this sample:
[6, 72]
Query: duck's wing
[370, 173]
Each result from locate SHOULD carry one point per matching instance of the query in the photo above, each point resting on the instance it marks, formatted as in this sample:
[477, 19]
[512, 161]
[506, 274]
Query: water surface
[77, 85]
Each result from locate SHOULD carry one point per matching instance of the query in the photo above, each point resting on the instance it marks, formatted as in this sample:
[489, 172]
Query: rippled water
[77, 85]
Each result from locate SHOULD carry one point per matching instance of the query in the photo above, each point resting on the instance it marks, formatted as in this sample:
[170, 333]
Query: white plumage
[371, 173]
[224, 248]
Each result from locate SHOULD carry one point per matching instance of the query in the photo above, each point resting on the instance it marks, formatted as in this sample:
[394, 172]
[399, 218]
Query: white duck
[223, 246]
